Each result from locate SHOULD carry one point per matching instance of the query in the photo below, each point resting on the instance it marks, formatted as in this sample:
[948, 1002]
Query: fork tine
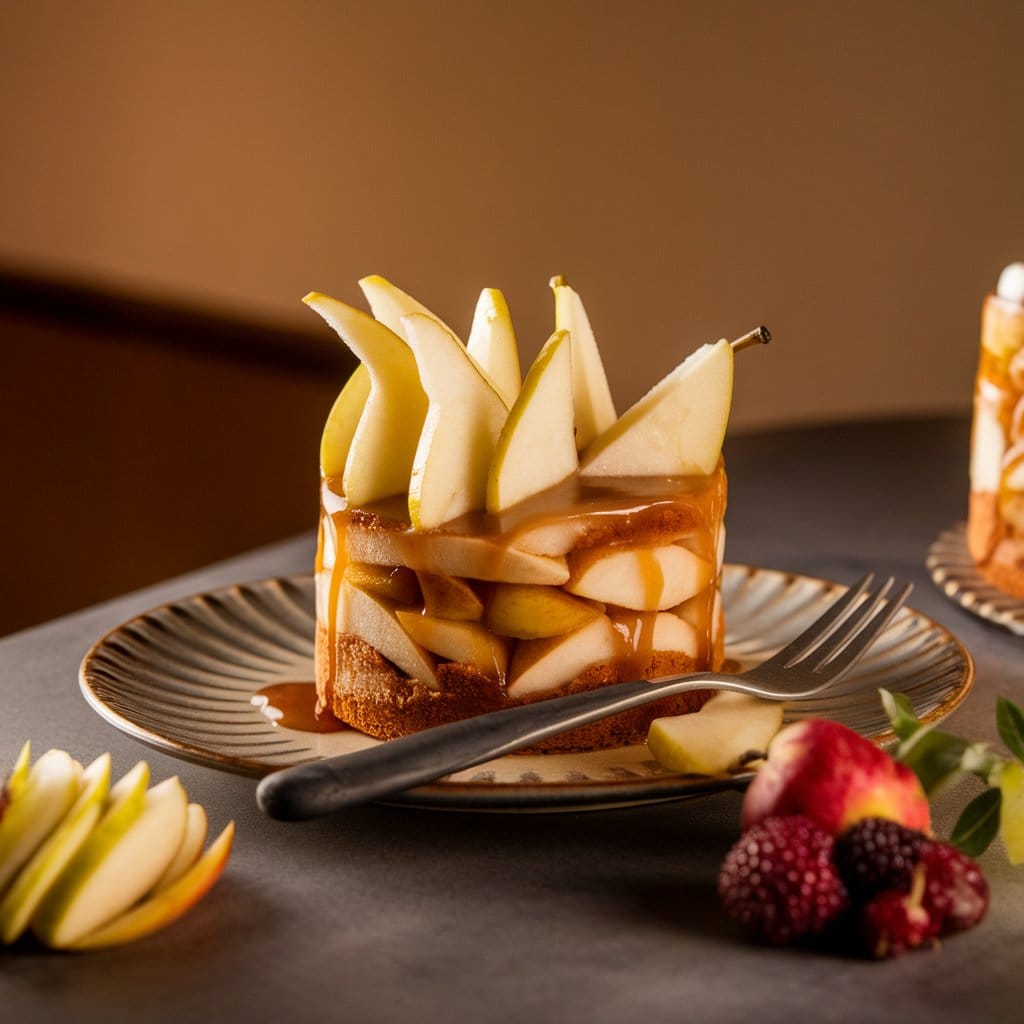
[850, 627]
[823, 627]
[851, 648]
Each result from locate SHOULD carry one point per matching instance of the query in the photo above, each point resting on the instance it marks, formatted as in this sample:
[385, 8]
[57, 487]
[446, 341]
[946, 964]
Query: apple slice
[677, 428]
[395, 582]
[168, 904]
[1011, 810]
[190, 849]
[342, 423]
[42, 870]
[644, 579]
[592, 398]
[492, 344]
[390, 304]
[464, 418]
[114, 868]
[466, 643]
[381, 453]
[539, 666]
[537, 445]
[449, 597]
[373, 619]
[43, 797]
[15, 781]
[712, 740]
[529, 612]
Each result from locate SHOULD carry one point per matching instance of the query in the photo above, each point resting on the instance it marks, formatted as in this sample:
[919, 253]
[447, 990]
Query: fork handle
[316, 788]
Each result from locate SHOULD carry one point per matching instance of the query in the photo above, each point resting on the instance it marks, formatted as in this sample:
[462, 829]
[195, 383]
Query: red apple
[836, 777]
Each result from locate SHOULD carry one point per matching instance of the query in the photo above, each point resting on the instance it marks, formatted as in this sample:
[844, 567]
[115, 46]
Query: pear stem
[758, 336]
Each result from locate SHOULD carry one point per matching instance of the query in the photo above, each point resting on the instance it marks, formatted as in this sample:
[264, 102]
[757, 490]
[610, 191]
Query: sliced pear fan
[492, 344]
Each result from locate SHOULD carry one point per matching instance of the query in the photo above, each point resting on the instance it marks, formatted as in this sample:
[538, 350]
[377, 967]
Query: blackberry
[779, 881]
[877, 854]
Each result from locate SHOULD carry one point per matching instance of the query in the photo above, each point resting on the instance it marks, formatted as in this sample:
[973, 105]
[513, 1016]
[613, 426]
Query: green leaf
[1010, 723]
[979, 823]
[935, 757]
[901, 713]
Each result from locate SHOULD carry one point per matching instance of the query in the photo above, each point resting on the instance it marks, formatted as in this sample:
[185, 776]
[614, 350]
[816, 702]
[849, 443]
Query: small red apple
[833, 775]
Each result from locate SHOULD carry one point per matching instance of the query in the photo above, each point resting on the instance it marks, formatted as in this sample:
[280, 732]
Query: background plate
[954, 572]
[183, 677]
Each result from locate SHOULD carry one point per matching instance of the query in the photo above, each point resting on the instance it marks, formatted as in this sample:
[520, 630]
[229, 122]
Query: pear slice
[42, 870]
[390, 305]
[381, 453]
[594, 409]
[190, 849]
[395, 582]
[1011, 810]
[677, 428]
[449, 597]
[43, 797]
[114, 868]
[657, 632]
[464, 418]
[15, 781]
[474, 557]
[373, 619]
[537, 445]
[492, 344]
[540, 666]
[711, 741]
[644, 579]
[466, 643]
[529, 612]
[342, 423]
[168, 904]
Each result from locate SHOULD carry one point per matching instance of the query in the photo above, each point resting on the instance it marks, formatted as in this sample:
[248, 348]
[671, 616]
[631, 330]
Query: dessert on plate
[995, 523]
[488, 539]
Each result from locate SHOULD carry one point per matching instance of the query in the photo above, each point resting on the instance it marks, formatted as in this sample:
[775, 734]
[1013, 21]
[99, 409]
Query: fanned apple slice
[342, 423]
[592, 397]
[529, 612]
[381, 454]
[42, 870]
[115, 868]
[677, 428]
[537, 446]
[492, 343]
[644, 579]
[372, 618]
[467, 643]
[449, 597]
[43, 797]
[390, 305]
[190, 849]
[168, 904]
[464, 418]
[539, 666]
[478, 558]
[713, 739]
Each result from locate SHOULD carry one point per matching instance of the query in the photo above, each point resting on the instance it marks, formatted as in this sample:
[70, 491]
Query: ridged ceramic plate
[954, 572]
[185, 678]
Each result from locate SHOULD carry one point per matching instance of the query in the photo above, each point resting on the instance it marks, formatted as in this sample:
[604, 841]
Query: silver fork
[818, 658]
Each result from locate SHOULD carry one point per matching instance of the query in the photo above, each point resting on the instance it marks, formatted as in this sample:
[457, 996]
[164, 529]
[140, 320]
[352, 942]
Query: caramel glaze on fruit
[365, 690]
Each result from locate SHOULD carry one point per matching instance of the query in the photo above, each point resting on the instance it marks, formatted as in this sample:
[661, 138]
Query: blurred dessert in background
[995, 525]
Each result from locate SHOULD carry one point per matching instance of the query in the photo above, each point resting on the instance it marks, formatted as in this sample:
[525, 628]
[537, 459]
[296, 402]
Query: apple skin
[831, 774]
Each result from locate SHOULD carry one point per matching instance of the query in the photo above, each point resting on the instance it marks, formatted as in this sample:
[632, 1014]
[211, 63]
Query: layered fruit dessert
[488, 540]
[995, 525]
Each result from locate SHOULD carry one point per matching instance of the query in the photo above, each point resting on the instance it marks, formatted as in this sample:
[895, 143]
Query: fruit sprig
[940, 759]
[86, 865]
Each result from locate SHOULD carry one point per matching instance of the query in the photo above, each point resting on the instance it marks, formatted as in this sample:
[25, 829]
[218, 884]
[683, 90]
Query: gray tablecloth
[399, 915]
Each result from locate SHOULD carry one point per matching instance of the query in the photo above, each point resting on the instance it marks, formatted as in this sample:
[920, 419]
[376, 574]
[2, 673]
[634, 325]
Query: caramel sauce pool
[293, 706]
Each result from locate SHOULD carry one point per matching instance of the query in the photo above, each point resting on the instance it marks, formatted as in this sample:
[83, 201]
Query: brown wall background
[848, 173]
